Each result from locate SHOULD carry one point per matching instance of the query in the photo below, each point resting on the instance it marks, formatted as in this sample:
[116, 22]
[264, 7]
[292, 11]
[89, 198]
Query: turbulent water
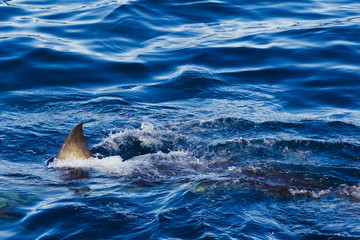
[207, 119]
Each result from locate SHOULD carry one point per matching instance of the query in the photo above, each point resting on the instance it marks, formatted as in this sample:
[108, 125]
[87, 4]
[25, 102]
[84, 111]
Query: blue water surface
[207, 119]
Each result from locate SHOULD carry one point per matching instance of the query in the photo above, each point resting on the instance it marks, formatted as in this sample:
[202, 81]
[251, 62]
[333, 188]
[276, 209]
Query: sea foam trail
[113, 165]
[156, 165]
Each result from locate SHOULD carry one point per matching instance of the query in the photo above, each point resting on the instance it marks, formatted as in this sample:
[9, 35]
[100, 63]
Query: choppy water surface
[208, 119]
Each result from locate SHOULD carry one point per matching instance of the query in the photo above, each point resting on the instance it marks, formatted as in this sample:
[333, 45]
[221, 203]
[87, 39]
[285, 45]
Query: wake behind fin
[74, 145]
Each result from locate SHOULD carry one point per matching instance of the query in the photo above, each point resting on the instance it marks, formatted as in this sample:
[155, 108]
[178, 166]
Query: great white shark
[74, 145]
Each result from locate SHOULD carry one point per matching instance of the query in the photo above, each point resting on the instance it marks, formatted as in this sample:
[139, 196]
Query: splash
[315, 194]
[352, 192]
[157, 165]
[135, 142]
[113, 165]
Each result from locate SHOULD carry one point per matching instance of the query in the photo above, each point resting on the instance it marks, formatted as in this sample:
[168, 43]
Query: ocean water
[207, 119]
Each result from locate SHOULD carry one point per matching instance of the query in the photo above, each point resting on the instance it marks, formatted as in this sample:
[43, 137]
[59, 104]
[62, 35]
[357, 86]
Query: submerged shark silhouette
[277, 183]
[74, 145]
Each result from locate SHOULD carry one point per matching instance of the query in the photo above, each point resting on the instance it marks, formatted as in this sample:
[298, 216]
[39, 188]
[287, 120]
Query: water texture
[207, 119]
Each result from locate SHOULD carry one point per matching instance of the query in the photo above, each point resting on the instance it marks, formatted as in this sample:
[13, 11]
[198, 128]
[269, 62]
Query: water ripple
[207, 119]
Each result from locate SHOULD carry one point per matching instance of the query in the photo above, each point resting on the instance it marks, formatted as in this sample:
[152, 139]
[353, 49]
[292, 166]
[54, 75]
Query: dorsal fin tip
[74, 145]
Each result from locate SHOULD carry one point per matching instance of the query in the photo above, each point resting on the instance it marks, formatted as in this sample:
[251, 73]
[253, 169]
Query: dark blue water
[208, 119]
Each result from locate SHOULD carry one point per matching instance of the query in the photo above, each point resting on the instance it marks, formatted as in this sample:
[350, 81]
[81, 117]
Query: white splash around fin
[113, 165]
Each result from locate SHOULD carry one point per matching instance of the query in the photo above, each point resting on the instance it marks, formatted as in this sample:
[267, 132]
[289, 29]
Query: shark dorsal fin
[74, 145]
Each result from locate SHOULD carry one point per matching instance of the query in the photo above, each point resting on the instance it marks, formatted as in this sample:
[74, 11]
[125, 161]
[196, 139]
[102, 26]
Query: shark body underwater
[76, 147]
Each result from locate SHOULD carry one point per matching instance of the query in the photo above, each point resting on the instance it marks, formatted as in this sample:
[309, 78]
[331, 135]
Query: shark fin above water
[74, 145]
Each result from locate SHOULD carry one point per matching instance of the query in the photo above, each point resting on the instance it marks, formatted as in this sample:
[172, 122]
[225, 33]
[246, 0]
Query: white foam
[350, 191]
[148, 165]
[311, 193]
[343, 190]
[113, 165]
[147, 135]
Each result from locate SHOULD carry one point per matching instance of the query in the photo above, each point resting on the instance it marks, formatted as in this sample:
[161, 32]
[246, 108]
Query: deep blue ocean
[209, 119]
